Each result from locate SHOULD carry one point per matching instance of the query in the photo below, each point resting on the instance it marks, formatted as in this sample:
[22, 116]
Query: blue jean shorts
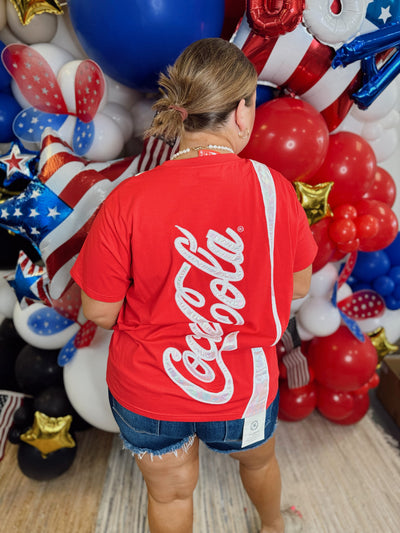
[143, 435]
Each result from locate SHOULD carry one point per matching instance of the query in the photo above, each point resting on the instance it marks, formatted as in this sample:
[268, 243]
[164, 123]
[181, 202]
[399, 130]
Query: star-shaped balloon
[49, 434]
[18, 163]
[314, 199]
[382, 345]
[27, 9]
[26, 275]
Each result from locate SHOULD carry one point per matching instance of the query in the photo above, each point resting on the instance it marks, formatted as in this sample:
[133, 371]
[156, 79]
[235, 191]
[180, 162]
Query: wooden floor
[29, 506]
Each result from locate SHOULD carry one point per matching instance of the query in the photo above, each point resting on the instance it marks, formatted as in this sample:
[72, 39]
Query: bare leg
[170, 482]
[260, 474]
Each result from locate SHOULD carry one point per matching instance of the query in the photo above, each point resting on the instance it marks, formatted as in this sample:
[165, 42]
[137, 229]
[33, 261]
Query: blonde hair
[202, 88]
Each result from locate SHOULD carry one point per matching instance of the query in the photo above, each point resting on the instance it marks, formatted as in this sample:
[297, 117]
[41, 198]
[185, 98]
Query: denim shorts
[143, 435]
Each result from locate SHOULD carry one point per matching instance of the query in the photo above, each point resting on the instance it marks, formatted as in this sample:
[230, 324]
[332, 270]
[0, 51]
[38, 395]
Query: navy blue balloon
[133, 40]
[393, 251]
[383, 285]
[264, 93]
[394, 274]
[9, 108]
[392, 303]
[5, 78]
[370, 265]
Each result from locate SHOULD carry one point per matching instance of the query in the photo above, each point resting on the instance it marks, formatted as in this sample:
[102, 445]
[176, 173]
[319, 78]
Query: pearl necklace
[196, 148]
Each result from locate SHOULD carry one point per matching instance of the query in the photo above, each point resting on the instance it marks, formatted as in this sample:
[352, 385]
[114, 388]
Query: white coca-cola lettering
[229, 300]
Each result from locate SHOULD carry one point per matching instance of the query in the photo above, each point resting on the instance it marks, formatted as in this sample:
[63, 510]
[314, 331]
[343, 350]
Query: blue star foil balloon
[18, 163]
[367, 48]
[25, 277]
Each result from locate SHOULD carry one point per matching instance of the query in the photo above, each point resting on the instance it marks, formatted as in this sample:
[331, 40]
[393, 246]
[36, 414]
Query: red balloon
[333, 404]
[342, 230]
[326, 247]
[351, 164]
[345, 211]
[271, 19]
[383, 188]
[296, 404]
[367, 226]
[290, 136]
[360, 408]
[388, 224]
[341, 362]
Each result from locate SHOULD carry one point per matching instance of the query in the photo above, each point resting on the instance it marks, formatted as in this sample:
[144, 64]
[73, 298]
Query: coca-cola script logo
[196, 359]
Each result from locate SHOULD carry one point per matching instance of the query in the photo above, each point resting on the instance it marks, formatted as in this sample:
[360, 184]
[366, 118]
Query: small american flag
[294, 360]
[9, 403]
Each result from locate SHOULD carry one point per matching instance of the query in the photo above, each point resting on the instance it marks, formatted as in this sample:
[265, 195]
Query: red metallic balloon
[271, 18]
[341, 362]
[296, 404]
[351, 164]
[290, 136]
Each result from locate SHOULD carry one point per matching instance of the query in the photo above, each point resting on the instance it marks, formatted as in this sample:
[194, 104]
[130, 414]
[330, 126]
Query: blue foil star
[18, 163]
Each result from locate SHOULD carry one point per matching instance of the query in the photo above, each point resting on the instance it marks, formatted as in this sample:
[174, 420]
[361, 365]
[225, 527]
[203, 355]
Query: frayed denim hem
[184, 445]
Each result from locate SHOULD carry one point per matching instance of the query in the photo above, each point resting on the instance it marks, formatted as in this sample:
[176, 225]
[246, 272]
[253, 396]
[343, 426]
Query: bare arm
[301, 282]
[104, 314]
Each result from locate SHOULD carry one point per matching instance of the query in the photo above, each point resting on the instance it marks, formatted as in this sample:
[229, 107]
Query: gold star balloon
[314, 199]
[27, 9]
[382, 345]
[49, 434]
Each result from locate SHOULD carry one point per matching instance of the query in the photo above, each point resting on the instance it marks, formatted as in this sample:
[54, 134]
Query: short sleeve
[103, 266]
[306, 247]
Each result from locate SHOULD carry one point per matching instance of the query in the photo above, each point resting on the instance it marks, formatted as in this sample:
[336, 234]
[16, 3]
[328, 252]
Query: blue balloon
[383, 285]
[370, 265]
[393, 251]
[9, 108]
[264, 93]
[134, 40]
[5, 78]
[394, 274]
[392, 303]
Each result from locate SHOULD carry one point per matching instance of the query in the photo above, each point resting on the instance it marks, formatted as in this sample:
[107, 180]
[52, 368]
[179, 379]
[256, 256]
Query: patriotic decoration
[9, 403]
[39, 85]
[294, 360]
[18, 163]
[301, 64]
[55, 212]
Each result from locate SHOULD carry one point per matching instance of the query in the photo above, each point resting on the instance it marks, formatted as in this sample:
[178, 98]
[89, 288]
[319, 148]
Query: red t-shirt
[202, 251]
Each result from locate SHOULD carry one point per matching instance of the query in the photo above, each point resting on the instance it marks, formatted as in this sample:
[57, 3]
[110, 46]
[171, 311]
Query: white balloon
[143, 115]
[66, 131]
[323, 280]
[55, 56]
[20, 98]
[7, 37]
[3, 14]
[380, 107]
[66, 80]
[296, 304]
[390, 320]
[7, 298]
[304, 334]
[85, 382]
[121, 116]
[66, 38]
[318, 316]
[372, 131]
[108, 139]
[40, 29]
[45, 339]
[344, 291]
[121, 94]
[386, 145]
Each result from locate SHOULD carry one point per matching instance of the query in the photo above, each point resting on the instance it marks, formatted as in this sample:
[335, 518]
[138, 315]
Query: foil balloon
[49, 434]
[27, 9]
[367, 48]
[270, 19]
[134, 41]
[18, 163]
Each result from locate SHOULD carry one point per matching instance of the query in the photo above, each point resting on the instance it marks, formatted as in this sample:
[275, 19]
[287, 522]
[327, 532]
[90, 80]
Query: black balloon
[14, 434]
[23, 416]
[11, 245]
[36, 369]
[9, 350]
[35, 466]
[53, 401]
